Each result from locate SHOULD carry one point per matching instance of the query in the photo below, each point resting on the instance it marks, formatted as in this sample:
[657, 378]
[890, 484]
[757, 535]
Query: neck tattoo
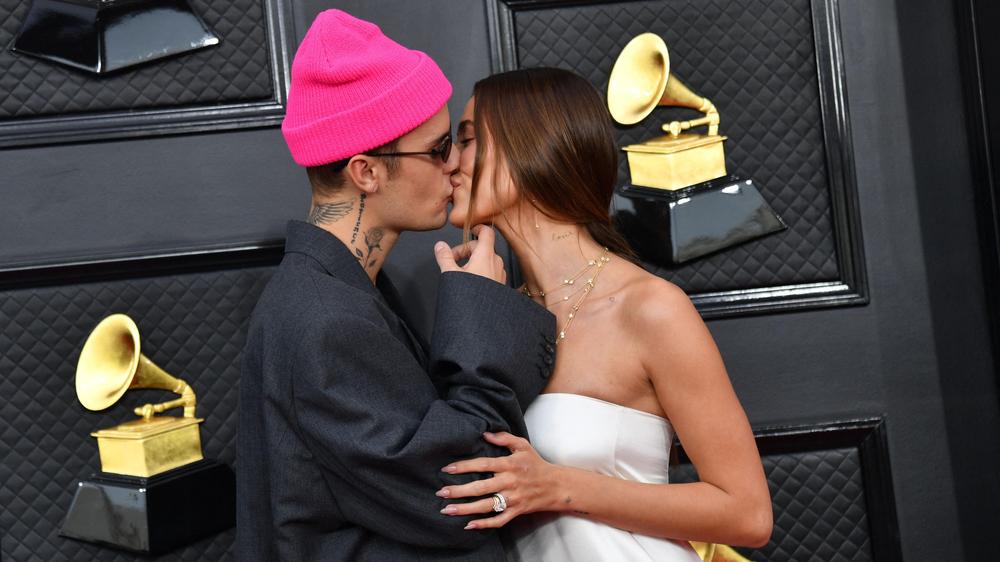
[373, 239]
[330, 212]
[357, 225]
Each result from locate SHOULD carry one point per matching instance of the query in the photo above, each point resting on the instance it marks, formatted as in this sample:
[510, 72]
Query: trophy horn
[111, 363]
[641, 81]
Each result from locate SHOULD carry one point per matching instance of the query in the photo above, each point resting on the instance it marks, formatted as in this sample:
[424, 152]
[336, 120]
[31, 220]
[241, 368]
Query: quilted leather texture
[192, 325]
[818, 499]
[238, 69]
[755, 59]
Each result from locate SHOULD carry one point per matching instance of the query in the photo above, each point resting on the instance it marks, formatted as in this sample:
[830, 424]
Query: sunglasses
[442, 151]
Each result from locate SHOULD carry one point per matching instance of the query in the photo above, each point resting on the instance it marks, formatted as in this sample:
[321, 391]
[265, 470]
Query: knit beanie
[354, 89]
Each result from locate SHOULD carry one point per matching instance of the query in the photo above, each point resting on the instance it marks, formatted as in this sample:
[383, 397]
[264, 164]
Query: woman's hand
[525, 480]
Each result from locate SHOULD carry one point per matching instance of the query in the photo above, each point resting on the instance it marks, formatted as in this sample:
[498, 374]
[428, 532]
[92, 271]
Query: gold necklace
[566, 282]
[587, 288]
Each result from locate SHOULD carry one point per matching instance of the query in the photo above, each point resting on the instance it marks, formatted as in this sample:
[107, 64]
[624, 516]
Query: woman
[635, 362]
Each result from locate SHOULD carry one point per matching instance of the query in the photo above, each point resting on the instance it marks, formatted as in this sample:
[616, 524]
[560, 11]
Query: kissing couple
[537, 423]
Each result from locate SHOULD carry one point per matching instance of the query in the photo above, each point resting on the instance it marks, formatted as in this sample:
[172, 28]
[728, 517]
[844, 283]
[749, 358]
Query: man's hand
[482, 259]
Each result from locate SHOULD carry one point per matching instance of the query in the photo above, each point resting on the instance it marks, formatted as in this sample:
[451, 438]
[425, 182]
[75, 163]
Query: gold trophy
[111, 364]
[640, 82]
[682, 204]
[155, 490]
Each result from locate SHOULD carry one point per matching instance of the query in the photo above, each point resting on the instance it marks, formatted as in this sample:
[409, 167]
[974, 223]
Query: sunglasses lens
[446, 149]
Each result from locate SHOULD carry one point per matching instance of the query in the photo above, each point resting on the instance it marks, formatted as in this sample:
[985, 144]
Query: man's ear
[365, 172]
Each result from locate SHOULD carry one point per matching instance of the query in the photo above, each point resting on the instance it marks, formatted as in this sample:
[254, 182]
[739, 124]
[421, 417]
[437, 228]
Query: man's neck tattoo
[373, 240]
[357, 225]
[330, 212]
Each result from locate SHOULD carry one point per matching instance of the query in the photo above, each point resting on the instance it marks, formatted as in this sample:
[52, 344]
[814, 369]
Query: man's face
[417, 196]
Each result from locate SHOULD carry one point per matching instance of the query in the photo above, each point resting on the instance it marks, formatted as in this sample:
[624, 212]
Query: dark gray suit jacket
[345, 420]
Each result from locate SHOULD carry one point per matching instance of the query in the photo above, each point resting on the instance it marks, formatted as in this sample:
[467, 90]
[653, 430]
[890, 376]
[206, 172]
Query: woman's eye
[465, 142]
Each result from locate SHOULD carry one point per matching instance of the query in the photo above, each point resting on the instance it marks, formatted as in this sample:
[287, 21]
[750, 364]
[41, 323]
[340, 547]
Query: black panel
[831, 492]
[240, 82]
[193, 325]
[774, 70]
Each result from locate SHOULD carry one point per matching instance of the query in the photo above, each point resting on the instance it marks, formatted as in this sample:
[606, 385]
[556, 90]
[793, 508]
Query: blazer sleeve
[371, 416]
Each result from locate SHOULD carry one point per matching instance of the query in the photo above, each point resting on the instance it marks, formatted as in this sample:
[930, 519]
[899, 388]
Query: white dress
[591, 434]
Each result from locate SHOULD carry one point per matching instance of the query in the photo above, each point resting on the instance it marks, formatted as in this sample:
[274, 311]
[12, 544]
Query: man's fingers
[445, 257]
[464, 251]
[486, 238]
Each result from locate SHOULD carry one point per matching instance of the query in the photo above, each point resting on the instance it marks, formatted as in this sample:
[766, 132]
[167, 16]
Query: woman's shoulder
[657, 304]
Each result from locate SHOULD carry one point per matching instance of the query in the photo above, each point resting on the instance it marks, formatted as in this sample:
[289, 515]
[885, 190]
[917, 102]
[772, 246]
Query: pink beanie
[354, 89]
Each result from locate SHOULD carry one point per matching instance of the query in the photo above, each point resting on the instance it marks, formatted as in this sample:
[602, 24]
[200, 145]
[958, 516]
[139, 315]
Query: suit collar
[329, 251]
[336, 258]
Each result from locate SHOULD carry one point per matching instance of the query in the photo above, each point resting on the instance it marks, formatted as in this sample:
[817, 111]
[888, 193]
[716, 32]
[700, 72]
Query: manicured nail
[471, 526]
[487, 434]
[443, 493]
[449, 510]
[450, 469]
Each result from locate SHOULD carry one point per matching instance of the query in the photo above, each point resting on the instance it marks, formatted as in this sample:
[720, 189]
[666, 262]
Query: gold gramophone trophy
[155, 491]
[681, 204]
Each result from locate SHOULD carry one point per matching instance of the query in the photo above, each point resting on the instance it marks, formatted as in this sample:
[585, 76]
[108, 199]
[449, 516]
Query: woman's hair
[554, 133]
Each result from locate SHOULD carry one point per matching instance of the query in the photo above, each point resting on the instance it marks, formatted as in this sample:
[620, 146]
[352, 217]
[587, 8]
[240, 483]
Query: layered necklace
[588, 286]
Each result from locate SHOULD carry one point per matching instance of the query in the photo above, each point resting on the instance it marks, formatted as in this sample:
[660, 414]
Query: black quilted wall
[192, 325]
[819, 504]
[756, 61]
[238, 69]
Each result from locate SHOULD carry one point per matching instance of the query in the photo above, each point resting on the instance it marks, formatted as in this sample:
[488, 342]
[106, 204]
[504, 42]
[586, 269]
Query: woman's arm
[729, 505]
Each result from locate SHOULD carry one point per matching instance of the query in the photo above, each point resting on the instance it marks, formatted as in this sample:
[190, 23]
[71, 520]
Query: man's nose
[451, 165]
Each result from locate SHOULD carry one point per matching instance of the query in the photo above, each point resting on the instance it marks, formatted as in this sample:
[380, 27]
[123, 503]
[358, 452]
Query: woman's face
[491, 199]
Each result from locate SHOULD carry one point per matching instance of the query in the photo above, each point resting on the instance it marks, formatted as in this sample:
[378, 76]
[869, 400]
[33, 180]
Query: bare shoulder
[659, 305]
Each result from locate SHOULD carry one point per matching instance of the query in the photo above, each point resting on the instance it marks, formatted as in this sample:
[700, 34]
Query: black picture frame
[851, 289]
[115, 124]
[869, 437]
[981, 88]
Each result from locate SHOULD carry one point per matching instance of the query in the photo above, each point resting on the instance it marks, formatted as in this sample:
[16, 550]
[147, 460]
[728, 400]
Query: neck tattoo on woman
[588, 286]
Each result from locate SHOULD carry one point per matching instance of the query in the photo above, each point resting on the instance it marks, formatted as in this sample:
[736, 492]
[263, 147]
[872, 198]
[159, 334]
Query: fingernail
[470, 526]
[443, 493]
[439, 245]
[449, 510]
[487, 434]
[450, 469]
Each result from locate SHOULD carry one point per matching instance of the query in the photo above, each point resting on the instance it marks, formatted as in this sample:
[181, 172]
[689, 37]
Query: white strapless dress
[591, 434]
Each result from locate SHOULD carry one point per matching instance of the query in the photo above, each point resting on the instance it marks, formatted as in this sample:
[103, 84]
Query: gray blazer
[346, 419]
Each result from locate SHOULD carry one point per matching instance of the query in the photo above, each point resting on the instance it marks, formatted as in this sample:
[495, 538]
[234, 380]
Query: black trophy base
[99, 36]
[156, 514]
[668, 228]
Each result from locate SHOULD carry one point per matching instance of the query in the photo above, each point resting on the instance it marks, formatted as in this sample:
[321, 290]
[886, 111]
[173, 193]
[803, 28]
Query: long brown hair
[553, 131]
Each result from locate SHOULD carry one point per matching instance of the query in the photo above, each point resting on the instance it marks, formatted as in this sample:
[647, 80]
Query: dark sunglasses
[442, 151]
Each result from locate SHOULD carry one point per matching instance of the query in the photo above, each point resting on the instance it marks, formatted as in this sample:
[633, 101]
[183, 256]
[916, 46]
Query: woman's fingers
[479, 506]
[493, 522]
[482, 464]
[504, 439]
[475, 489]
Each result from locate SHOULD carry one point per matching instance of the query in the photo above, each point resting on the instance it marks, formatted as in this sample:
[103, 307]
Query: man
[346, 420]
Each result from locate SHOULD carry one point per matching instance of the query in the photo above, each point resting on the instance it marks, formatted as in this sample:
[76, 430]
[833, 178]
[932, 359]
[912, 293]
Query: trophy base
[99, 36]
[667, 228]
[157, 514]
[676, 162]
